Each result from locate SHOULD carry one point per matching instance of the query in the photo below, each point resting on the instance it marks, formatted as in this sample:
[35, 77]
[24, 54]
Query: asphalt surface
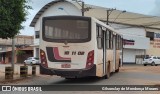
[128, 75]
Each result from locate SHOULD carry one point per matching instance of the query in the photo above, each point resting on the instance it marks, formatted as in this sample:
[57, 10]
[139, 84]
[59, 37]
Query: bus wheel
[117, 70]
[108, 72]
[69, 78]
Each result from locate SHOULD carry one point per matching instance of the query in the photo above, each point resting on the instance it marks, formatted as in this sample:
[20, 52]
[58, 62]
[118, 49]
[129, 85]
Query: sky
[147, 7]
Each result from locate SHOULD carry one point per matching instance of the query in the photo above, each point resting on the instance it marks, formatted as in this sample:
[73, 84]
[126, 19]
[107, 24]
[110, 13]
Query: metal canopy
[128, 18]
[116, 16]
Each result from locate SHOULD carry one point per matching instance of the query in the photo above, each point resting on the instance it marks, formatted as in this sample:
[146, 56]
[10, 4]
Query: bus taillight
[43, 59]
[90, 59]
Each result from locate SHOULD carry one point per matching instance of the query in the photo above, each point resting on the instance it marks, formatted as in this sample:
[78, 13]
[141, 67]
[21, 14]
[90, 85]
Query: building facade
[138, 40]
[135, 42]
[22, 49]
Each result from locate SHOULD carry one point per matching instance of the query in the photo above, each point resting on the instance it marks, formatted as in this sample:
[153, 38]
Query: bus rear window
[62, 29]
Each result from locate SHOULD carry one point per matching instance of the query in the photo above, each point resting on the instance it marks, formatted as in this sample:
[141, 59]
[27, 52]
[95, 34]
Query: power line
[143, 24]
[130, 19]
[153, 23]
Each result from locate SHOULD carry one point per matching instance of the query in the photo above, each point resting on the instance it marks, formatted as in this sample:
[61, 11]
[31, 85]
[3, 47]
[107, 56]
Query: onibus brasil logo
[21, 88]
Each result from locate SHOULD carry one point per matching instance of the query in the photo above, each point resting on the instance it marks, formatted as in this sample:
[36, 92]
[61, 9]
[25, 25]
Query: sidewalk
[16, 75]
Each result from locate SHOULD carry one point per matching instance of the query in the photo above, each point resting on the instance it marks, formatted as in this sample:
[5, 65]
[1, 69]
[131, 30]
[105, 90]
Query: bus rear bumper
[69, 73]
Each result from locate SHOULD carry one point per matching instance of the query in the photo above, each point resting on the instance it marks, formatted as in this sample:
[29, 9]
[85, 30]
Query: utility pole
[107, 16]
[108, 13]
[82, 8]
[13, 53]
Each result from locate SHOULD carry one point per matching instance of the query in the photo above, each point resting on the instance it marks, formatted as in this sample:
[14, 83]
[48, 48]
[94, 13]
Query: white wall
[140, 42]
[34, 52]
[129, 55]
[129, 30]
[133, 33]
[68, 9]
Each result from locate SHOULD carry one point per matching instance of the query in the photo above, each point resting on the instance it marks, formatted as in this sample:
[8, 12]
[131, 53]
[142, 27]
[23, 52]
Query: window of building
[36, 34]
[150, 35]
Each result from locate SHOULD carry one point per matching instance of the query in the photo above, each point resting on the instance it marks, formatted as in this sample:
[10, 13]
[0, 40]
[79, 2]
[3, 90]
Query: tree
[20, 53]
[12, 14]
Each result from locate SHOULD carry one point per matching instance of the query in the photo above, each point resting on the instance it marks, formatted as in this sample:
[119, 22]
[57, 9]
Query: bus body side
[112, 56]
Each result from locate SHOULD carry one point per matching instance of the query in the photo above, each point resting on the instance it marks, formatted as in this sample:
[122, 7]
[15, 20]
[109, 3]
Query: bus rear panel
[66, 48]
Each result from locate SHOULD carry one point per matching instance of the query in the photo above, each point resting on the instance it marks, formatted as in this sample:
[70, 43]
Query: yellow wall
[154, 48]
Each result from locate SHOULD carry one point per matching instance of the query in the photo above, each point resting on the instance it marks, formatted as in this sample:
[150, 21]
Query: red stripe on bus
[57, 56]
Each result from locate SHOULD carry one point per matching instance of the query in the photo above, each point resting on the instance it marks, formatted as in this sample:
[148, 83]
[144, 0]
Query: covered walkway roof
[116, 16]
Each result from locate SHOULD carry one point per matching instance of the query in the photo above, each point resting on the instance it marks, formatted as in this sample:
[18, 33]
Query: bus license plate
[66, 65]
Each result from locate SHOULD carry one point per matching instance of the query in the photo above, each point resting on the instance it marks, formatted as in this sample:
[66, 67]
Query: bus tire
[108, 72]
[117, 70]
[119, 63]
[68, 78]
[145, 64]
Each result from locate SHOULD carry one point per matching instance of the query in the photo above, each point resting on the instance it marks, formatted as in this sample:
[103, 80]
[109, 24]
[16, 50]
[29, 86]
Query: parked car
[151, 60]
[32, 60]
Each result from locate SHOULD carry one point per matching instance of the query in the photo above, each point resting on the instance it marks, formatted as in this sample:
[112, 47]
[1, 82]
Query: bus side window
[99, 37]
[118, 42]
[109, 40]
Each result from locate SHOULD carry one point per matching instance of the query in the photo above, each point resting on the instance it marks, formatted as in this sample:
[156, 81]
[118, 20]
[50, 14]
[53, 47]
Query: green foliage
[12, 14]
[20, 53]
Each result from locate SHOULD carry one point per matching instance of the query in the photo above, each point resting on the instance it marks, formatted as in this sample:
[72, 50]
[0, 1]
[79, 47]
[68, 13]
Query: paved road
[128, 75]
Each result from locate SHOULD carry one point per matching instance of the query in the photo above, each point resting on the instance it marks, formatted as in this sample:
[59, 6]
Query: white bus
[76, 46]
